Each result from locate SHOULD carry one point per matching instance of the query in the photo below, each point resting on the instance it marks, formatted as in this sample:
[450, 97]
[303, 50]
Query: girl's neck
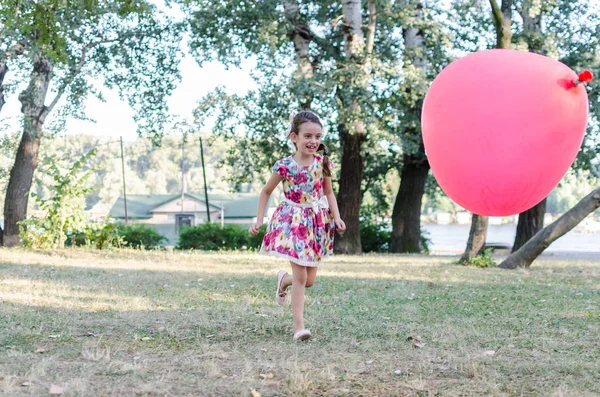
[303, 159]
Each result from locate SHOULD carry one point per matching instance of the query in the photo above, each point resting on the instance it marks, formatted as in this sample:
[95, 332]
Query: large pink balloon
[501, 128]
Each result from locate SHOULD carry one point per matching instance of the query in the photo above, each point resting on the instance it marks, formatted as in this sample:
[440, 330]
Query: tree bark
[353, 132]
[542, 240]
[406, 215]
[350, 195]
[3, 71]
[26, 160]
[502, 16]
[301, 36]
[477, 236]
[530, 222]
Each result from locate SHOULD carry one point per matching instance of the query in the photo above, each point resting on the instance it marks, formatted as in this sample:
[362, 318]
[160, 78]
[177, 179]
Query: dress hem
[291, 258]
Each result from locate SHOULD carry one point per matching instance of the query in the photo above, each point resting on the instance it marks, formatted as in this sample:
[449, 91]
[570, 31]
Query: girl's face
[308, 138]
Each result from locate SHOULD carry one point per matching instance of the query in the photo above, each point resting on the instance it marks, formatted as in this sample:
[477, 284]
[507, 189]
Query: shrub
[140, 235]
[213, 237]
[98, 235]
[483, 260]
[255, 240]
[375, 236]
[64, 209]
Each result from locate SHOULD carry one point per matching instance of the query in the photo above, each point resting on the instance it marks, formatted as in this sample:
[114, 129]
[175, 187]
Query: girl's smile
[308, 139]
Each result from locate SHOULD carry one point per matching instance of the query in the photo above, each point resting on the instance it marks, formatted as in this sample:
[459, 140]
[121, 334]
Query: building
[168, 215]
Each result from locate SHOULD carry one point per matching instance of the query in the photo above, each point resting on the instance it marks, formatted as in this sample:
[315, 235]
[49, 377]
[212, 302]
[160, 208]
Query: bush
[255, 240]
[64, 208]
[140, 235]
[375, 237]
[425, 241]
[97, 235]
[483, 260]
[213, 237]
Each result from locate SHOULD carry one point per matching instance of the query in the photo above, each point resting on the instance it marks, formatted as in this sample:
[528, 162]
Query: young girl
[303, 225]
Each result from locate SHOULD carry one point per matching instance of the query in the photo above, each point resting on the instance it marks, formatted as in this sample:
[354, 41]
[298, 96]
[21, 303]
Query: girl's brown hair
[309, 117]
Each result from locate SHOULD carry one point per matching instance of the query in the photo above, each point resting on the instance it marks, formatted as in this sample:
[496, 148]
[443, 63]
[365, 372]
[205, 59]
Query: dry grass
[199, 324]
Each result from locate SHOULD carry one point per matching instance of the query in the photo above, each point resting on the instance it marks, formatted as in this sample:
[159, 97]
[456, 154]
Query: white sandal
[280, 296]
[302, 334]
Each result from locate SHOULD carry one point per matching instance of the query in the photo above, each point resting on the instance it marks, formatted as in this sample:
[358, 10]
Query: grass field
[125, 323]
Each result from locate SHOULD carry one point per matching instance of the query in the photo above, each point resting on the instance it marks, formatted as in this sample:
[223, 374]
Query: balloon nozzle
[584, 77]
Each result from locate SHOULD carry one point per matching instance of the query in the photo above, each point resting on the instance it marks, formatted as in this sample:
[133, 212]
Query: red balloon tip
[584, 77]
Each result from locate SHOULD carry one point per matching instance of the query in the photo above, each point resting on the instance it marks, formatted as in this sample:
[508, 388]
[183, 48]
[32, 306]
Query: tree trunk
[502, 16]
[530, 222]
[17, 192]
[477, 236]
[350, 194]
[406, 216]
[3, 70]
[301, 36]
[26, 161]
[542, 240]
[352, 129]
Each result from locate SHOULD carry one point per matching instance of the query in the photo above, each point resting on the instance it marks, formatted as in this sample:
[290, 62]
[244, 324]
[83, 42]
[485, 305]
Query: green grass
[104, 323]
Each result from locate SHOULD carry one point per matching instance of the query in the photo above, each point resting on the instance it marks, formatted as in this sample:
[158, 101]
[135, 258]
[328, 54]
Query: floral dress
[302, 228]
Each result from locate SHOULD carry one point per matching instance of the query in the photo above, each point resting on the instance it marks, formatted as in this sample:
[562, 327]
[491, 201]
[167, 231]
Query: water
[453, 239]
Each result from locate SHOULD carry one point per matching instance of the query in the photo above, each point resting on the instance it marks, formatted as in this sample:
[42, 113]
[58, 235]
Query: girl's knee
[301, 279]
[309, 283]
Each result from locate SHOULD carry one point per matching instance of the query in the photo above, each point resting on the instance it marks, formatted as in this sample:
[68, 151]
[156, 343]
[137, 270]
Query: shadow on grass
[216, 324]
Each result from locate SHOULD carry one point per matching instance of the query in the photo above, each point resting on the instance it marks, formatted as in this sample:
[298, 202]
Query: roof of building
[140, 206]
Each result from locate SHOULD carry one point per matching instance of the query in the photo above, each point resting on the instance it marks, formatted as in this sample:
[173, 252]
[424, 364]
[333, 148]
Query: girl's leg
[299, 277]
[311, 275]
[286, 281]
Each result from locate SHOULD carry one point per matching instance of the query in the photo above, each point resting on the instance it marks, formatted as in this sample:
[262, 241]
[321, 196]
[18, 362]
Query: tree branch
[371, 27]
[538, 243]
[77, 69]
[14, 50]
[497, 13]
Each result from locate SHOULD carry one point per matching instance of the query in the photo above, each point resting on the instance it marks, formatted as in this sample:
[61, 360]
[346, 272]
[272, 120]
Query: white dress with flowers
[302, 228]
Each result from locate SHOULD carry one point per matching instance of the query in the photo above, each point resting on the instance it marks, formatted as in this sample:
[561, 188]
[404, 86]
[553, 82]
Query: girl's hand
[340, 225]
[254, 228]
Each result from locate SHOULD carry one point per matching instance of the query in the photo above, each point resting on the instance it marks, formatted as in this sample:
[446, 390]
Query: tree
[64, 209]
[525, 255]
[565, 30]
[554, 16]
[423, 58]
[348, 60]
[69, 43]
[347, 51]
[502, 17]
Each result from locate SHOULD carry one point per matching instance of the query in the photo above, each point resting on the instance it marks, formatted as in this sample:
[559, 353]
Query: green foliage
[483, 260]
[64, 209]
[425, 241]
[255, 240]
[375, 236]
[98, 235]
[213, 237]
[338, 87]
[139, 235]
[131, 46]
